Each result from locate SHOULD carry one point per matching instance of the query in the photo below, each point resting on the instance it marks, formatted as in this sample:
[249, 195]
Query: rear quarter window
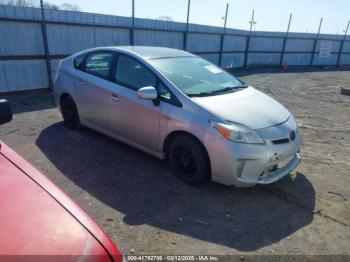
[99, 64]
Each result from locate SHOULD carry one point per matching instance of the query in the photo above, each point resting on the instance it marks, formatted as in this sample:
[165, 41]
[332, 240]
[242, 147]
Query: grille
[280, 141]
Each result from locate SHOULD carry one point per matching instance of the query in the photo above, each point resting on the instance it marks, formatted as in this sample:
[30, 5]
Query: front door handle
[115, 98]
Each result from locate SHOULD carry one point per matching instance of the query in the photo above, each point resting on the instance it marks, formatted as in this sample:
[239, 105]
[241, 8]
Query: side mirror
[5, 112]
[147, 93]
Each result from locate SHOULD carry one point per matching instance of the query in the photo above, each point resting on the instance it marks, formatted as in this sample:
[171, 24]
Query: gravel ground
[145, 209]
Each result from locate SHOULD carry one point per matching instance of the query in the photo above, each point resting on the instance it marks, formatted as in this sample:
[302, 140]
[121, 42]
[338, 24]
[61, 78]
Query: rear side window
[133, 74]
[99, 64]
[78, 61]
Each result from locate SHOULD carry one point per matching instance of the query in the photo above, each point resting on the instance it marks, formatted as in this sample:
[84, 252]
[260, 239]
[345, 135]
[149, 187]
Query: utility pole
[133, 23]
[223, 36]
[315, 42]
[46, 45]
[319, 27]
[226, 13]
[252, 22]
[187, 25]
[342, 43]
[290, 20]
[285, 39]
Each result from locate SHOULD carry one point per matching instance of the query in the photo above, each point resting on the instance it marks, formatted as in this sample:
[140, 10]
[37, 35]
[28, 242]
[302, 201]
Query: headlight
[238, 133]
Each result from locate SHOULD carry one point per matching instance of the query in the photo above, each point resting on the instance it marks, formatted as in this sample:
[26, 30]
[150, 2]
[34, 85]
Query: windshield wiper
[217, 92]
[224, 90]
[202, 94]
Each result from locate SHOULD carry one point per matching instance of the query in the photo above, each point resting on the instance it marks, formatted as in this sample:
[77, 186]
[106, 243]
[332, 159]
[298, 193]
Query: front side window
[196, 77]
[78, 61]
[133, 74]
[99, 64]
[164, 92]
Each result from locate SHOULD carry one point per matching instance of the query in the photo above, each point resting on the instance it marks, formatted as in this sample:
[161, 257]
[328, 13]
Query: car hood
[249, 107]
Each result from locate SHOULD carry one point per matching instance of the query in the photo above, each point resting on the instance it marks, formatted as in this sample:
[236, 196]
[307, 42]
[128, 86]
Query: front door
[130, 117]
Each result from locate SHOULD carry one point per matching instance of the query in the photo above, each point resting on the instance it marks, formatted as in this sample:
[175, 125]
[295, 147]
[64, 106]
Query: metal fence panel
[22, 75]
[203, 42]
[335, 45]
[258, 59]
[299, 45]
[297, 59]
[345, 59]
[68, 39]
[233, 60]
[23, 52]
[346, 46]
[265, 44]
[234, 43]
[159, 38]
[20, 38]
[214, 58]
[331, 60]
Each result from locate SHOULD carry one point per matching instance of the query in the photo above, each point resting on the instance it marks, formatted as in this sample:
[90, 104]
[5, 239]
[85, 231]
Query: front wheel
[70, 113]
[189, 159]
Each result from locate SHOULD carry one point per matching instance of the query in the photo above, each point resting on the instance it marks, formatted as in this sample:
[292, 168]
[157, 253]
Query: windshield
[196, 77]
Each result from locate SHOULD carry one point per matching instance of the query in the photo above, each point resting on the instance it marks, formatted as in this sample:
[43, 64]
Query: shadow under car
[146, 191]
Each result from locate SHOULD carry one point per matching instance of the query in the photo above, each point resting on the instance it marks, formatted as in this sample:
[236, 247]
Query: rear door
[130, 117]
[92, 87]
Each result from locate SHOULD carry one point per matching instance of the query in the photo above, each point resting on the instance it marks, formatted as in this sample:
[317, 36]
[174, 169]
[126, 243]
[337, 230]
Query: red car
[37, 218]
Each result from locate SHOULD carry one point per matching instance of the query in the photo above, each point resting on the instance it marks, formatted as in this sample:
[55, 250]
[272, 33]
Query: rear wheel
[189, 159]
[70, 113]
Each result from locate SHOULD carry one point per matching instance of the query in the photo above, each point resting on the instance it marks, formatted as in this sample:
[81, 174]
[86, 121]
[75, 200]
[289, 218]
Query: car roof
[148, 52]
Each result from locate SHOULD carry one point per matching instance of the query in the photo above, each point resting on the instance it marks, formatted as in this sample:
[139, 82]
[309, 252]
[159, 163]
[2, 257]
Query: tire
[345, 91]
[189, 160]
[70, 113]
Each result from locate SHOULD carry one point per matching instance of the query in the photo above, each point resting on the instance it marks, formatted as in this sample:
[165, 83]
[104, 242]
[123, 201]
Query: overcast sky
[270, 15]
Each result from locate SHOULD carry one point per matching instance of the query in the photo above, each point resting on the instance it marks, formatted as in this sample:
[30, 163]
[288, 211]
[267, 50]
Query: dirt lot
[145, 209]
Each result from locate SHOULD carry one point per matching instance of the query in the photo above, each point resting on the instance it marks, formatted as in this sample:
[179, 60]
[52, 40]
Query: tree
[165, 18]
[35, 3]
[27, 3]
[51, 6]
[70, 7]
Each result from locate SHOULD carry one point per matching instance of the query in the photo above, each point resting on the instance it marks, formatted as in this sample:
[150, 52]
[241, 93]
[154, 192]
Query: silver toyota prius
[178, 106]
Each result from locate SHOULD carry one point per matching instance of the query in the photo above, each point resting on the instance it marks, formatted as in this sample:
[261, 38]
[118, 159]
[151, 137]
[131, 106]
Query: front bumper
[262, 164]
[271, 177]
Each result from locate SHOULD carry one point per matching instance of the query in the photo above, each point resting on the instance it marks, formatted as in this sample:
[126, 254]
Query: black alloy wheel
[189, 159]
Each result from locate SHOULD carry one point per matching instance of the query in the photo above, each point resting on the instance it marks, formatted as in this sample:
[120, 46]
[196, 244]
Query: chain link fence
[201, 12]
[36, 34]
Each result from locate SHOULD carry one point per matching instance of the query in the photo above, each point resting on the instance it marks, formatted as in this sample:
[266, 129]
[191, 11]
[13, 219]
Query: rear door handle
[115, 98]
